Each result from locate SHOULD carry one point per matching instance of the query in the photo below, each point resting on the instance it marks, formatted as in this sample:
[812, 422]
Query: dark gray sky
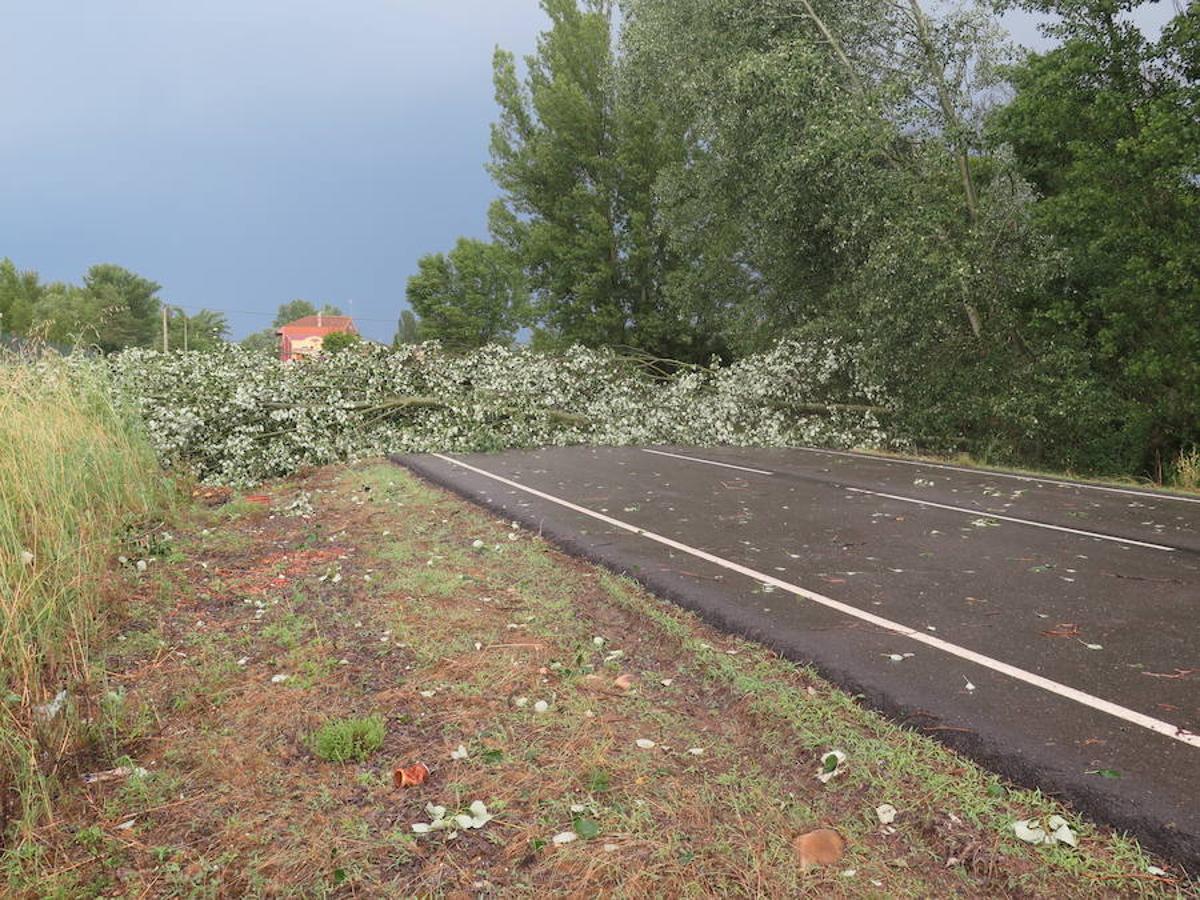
[246, 152]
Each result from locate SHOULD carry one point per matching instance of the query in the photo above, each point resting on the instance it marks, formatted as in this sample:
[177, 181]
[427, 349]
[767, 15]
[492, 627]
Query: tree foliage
[408, 330]
[472, 296]
[1104, 126]
[204, 331]
[339, 341]
[298, 309]
[576, 157]
[19, 294]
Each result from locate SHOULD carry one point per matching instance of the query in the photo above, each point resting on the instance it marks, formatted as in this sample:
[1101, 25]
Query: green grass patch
[343, 740]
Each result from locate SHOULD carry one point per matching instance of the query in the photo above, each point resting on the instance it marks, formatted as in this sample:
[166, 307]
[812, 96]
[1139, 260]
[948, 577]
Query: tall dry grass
[1186, 470]
[75, 475]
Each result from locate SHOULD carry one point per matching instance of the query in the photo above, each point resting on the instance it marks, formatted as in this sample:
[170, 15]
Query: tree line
[1007, 240]
[113, 308]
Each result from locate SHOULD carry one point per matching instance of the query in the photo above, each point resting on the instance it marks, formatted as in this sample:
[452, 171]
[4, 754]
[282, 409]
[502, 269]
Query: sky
[244, 153]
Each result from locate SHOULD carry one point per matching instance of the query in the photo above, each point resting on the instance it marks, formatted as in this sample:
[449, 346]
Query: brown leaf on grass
[823, 847]
[624, 682]
[410, 776]
[1063, 630]
[212, 496]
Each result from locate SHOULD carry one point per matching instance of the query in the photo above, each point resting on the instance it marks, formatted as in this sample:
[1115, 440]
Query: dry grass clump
[75, 475]
[1187, 469]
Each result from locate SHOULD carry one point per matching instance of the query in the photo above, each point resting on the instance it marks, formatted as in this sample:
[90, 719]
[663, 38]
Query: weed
[348, 739]
[1187, 469]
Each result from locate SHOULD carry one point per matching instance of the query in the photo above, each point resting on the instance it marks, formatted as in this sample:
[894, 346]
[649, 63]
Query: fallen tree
[234, 417]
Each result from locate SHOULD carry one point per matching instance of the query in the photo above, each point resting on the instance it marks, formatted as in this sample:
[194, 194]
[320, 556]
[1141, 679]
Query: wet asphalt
[1096, 589]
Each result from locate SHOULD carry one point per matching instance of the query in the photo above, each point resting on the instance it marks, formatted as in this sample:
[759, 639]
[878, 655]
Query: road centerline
[967, 470]
[707, 462]
[1095, 535]
[1083, 698]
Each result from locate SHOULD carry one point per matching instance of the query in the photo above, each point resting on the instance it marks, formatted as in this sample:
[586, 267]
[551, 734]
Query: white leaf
[464, 821]
[479, 813]
[886, 813]
[541, 706]
[26, 558]
[645, 743]
[1064, 835]
[565, 837]
[460, 753]
[421, 828]
[1030, 831]
[696, 751]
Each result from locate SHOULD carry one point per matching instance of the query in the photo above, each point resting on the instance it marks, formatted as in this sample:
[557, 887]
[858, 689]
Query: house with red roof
[306, 336]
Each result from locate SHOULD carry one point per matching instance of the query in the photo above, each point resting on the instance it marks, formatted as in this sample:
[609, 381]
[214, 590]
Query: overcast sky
[243, 153]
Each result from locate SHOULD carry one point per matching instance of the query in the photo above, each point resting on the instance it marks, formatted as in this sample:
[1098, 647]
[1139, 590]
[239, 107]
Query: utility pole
[164, 318]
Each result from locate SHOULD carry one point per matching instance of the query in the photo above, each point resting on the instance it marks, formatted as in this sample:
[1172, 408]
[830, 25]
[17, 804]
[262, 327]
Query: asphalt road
[1049, 629]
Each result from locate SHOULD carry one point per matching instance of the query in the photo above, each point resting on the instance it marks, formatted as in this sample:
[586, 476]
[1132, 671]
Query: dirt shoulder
[617, 744]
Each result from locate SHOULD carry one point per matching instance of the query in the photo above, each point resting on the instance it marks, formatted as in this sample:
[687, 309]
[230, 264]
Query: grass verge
[76, 477]
[581, 736]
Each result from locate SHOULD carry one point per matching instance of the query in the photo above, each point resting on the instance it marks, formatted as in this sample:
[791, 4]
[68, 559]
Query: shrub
[345, 739]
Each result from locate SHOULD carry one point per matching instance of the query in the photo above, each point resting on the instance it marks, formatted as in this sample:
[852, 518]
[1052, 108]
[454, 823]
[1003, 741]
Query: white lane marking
[988, 472]
[921, 637]
[708, 462]
[961, 509]
[983, 514]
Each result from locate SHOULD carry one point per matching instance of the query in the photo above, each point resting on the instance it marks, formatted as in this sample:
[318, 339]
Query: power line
[246, 312]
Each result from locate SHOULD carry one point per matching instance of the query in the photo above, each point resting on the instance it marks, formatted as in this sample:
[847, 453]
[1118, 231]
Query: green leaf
[586, 828]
